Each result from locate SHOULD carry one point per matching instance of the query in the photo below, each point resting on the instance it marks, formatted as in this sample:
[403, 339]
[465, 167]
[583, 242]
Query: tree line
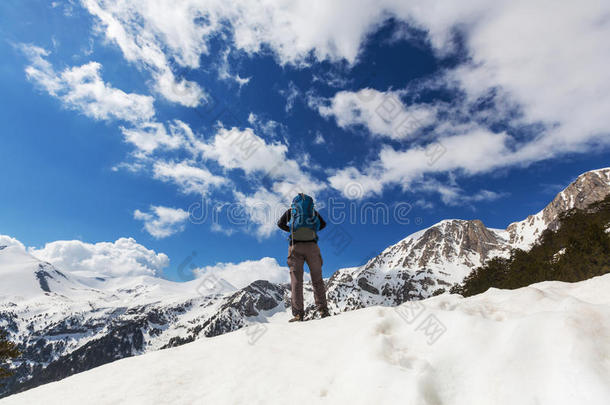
[578, 250]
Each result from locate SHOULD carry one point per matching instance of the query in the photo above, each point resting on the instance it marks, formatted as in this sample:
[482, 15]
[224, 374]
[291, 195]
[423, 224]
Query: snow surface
[15, 280]
[18, 271]
[71, 301]
[544, 344]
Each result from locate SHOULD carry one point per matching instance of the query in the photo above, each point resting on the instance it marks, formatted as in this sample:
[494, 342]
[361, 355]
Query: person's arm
[322, 222]
[283, 221]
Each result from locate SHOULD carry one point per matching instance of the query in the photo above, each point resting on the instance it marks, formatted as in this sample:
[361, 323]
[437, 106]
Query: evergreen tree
[579, 249]
[8, 351]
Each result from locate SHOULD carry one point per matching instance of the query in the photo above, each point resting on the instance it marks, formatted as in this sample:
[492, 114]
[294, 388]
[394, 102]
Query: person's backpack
[303, 222]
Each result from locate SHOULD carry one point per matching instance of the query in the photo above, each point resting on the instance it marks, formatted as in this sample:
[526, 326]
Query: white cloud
[263, 208]
[474, 151]
[148, 30]
[189, 177]
[81, 88]
[151, 136]
[162, 222]
[274, 177]
[215, 227]
[484, 195]
[424, 204]
[452, 194]
[132, 167]
[6, 240]
[284, 177]
[331, 79]
[244, 273]
[125, 257]
[243, 149]
[382, 113]
[319, 139]
[365, 182]
[179, 90]
[231, 148]
[224, 71]
[67, 7]
[562, 79]
[570, 56]
[554, 72]
[291, 94]
[168, 30]
[269, 128]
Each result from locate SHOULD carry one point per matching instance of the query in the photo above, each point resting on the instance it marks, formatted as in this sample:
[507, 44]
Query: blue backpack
[303, 222]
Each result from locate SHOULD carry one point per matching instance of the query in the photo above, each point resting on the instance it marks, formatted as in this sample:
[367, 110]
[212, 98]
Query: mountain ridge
[382, 355]
[66, 324]
[434, 258]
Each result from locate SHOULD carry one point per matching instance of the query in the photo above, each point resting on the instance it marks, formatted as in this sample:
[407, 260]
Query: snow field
[544, 344]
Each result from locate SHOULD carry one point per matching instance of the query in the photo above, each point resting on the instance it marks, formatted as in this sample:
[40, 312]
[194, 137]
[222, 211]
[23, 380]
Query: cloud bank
[242, 274]
[561, 83]
[124, 257]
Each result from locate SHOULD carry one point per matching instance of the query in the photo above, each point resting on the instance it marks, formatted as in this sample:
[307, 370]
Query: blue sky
[117, 119]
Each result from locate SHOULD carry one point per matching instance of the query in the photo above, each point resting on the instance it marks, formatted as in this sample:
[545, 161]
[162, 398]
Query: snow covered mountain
[433, 259]
[501, 347]
[588, 188]
[67, 323]
[418, 265]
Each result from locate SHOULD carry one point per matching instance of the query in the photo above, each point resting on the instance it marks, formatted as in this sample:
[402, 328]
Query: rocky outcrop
[588, 188]
[465, 242]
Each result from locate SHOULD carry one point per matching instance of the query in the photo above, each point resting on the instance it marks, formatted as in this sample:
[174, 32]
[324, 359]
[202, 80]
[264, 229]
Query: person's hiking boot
[324, 312]
[296, 318]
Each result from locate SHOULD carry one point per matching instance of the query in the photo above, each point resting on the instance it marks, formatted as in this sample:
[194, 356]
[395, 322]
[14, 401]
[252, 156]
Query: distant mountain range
[65, 323]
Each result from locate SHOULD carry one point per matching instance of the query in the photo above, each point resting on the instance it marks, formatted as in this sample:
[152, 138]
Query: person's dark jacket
[284, 220]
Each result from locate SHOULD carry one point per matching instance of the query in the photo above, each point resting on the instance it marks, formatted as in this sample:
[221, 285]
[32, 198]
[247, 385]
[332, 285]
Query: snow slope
[544, 344]
[67, 322]
[25, 277]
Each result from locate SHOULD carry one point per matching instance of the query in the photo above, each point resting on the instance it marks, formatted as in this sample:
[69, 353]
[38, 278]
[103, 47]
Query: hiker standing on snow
[303, 222]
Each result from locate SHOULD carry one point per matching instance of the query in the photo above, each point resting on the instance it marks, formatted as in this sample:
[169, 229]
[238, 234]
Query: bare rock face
[586, 189]
[467, 242]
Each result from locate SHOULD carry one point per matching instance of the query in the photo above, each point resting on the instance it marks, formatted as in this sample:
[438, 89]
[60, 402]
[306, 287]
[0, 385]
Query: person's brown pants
[298, 254]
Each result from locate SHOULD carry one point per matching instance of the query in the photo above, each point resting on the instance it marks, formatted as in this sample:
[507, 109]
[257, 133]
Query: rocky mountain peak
[588, 188]
[445, 241]
[459, 237]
